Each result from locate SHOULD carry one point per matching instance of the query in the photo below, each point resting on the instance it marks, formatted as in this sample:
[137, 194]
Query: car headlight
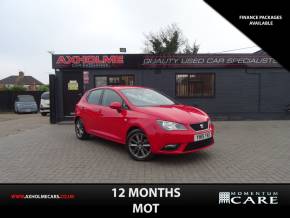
[167, 125]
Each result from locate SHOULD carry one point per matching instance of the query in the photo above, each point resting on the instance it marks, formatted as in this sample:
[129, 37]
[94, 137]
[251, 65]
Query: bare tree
[169, 40]
[191, 49]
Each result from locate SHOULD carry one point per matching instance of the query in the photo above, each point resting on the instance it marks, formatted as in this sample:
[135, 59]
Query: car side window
[109, 97]
[94, 96]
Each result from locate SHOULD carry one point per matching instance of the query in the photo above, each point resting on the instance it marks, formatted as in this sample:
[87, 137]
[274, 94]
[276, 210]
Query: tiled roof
[16, 80]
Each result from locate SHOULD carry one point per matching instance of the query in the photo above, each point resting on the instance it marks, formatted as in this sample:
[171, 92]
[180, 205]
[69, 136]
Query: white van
[44, 104]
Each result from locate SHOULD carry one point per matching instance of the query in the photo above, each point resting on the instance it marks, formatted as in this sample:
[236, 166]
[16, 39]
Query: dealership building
[227, 86]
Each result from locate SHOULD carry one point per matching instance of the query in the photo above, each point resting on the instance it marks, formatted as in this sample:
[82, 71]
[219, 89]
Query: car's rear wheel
[138, 145]
[80, 130]
[43, 114]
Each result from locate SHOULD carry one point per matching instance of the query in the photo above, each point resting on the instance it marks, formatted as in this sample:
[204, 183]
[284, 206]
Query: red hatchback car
[146, 121]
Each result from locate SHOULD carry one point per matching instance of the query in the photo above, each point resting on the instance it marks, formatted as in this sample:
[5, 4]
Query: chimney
[19, 78]
[21, 74]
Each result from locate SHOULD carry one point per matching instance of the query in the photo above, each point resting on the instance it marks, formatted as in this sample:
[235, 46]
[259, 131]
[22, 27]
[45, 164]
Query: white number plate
[202, 136]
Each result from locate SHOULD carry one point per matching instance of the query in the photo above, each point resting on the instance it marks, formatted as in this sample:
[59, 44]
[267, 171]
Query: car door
[113, 122]
[16, 104]
[91, 113]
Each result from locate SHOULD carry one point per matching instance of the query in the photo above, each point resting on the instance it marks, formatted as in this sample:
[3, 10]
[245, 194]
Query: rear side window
[94, 96]
[25, 98]
[109, 97]
[45, 96]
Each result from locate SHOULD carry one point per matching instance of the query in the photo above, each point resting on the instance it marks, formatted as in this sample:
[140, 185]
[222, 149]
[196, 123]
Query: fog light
[171, 147]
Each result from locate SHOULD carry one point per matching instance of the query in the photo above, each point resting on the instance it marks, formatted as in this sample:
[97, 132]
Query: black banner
[265, 22]
[160, 199]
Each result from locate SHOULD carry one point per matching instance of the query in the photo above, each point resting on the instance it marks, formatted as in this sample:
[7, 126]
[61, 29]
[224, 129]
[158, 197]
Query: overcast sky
[30, 28]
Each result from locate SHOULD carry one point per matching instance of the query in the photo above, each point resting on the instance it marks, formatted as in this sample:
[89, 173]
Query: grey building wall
[275, 89]
[233, 87]
[239, 93]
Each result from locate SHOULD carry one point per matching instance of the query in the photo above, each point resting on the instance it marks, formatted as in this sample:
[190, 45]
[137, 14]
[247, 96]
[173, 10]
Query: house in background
[28, 82]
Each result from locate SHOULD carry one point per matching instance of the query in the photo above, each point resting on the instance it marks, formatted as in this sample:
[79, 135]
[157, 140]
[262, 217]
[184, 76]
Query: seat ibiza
[146, 121]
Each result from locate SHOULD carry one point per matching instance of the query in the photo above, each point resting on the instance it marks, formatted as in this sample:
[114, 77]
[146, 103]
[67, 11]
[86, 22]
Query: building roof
[260, 52]
[18, 80]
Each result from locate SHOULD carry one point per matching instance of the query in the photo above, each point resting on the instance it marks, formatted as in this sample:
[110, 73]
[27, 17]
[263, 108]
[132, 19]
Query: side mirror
[116, 105]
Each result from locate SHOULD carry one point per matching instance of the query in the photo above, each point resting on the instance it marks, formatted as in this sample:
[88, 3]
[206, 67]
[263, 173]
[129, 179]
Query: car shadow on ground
[112, 145]
[183, 158]
[201, 155]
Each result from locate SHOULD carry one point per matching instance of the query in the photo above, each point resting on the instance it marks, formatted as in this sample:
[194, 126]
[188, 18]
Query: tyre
[43, 114]
[138, 145]
[80, 130]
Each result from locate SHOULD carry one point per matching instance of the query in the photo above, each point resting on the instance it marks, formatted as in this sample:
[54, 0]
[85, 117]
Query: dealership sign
[248, 197]
[207, 60]
[83, 61]
[162, 61]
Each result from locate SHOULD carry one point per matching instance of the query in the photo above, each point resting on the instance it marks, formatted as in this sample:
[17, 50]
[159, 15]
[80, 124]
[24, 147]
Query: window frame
[188, 74]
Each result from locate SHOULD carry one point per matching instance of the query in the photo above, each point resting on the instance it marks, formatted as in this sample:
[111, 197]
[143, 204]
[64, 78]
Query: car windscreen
[45, 96]
[146, 97]
[25, 98]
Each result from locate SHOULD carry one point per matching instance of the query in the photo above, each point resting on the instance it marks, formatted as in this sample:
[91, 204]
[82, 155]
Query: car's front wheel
[80, 130]
[138, 145]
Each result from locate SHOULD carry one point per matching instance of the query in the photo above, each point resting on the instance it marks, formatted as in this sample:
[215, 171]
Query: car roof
[24, 95]
[119, 87]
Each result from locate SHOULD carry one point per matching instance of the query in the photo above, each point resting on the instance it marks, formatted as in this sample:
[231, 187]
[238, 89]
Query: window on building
[195, 85]
[114, 80]
[100, 81]
[94, 96]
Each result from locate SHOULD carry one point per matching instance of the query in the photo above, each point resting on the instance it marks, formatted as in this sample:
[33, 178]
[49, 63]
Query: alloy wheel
[79, 129]
[139, 146]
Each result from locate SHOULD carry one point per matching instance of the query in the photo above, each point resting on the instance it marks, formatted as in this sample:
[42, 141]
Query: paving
[34, 151]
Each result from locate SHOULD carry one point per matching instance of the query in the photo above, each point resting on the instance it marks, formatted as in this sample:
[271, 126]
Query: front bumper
[44, 110]
[27, 110]
[184, 139]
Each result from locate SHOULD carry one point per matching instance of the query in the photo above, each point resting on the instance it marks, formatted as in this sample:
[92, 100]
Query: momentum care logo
[258, 198]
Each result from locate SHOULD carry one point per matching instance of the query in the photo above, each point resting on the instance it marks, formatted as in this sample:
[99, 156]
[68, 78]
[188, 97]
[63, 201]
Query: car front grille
[199, 126]
[27, 107]
[199, 144]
